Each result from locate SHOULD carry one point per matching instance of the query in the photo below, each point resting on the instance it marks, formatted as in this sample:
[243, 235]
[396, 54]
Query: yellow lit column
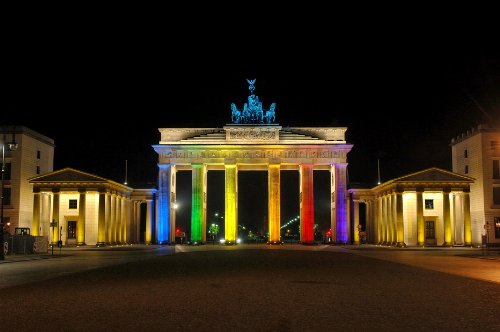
[112, 219]
[385, 231]
[356, 221]
[333, 213]
[107, 219]
[394, 236]
[125, 229]
[55, 215]
[101, 221]
[420, 218]
[35, 226]
[379, 220]
[231, 196]
[369, 220]
[116, 226]
[273, 181]
[80, 227]
[400, 231]
[149, 221]
[45, 214]
[467, 223]
[447, 217]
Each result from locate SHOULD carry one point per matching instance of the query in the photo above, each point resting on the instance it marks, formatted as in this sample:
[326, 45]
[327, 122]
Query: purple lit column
[340, 203]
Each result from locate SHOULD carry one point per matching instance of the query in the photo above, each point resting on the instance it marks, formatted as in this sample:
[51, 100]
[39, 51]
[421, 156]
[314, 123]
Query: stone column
[231, 196]
[125, 229]
[306, 203]
[80, 227]
[340, 203]
[112, 224]
[165, 233]
[196, 203]
[393, 229]
[204, 216]
[101, 221]
[447, 217]
[420, 218]
[400, 231]
[356, 221]
[45, 214]
[333, 213]
[385, 218]
[273, 202]
[55, 215]
[107, 218]
[149, 221]
[118, 223]
[35, 226]
[379, 220]
[467, 220]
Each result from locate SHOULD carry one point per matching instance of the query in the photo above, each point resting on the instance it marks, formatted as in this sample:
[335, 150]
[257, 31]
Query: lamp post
[12, 147]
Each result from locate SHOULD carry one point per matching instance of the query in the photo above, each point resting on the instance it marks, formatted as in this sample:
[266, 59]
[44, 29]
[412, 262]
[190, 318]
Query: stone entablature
[253, 134]
[322, 154]
[178, 134]
[327, 134]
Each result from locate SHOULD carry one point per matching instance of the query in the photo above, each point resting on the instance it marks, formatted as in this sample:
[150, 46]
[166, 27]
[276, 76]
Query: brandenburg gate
[252, 142]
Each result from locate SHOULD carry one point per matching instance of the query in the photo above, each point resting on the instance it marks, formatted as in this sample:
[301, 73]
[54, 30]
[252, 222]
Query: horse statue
[270, 115]
[236, 114]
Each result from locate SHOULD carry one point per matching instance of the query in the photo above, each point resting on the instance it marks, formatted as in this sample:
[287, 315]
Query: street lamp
[12, 147]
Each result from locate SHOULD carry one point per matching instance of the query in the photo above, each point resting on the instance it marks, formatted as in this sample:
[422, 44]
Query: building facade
[426, 208]
[79, 208]
[476, 153]
[34, 155]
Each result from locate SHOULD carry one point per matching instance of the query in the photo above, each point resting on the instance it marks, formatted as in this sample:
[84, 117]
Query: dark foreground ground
[253, 290]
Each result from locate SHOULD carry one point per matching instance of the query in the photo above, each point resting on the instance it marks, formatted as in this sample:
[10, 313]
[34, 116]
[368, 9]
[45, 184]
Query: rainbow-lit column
[333, 214]
[420, 217]
[164, 233]
[447, 217]
[467, 223]
[340, 203]
[274, 197]
[400, 231]
[197, 203]
[231, 204]
[306, 204]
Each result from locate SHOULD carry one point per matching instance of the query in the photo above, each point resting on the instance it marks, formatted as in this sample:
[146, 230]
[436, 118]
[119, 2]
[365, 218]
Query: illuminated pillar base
[401, 245]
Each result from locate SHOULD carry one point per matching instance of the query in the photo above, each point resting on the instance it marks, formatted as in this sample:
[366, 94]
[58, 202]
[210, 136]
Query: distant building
[476, 153]
[34, 155]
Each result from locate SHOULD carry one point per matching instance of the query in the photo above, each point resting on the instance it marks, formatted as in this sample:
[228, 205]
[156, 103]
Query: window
[497, 227]
[494, 145]
[429, 204]
[466, 170]
[496, 169]
[38, 154]
[6, 196]
[38, 170]
[7, 171]
[465, 153]
[496, 195]
[73, 203]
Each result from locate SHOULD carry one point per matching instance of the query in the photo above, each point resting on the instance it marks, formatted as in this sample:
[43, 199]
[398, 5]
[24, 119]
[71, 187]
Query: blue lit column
[164, 231]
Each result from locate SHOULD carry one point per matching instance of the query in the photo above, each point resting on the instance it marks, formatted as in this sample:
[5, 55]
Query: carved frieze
[252, 134]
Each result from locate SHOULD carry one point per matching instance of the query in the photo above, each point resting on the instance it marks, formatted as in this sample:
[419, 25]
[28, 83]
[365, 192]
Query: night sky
[102, 95]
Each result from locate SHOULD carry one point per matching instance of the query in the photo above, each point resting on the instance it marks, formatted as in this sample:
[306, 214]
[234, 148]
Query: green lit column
[273, 181]
[35, 226]
[204, 208]
[420, 218]
[197, 203]
[400, 231]
[467, 223]
[80, 228]
[231, 197]
[447, 217]
[101, 221]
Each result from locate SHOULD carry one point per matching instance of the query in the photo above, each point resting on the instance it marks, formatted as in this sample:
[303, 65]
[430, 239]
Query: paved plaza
[252, 288]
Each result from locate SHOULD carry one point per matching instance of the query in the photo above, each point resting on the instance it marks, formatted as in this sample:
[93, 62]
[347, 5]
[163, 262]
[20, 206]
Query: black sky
[403, 90]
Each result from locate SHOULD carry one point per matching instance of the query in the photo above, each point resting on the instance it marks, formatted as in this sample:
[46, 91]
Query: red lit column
[306, 204]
